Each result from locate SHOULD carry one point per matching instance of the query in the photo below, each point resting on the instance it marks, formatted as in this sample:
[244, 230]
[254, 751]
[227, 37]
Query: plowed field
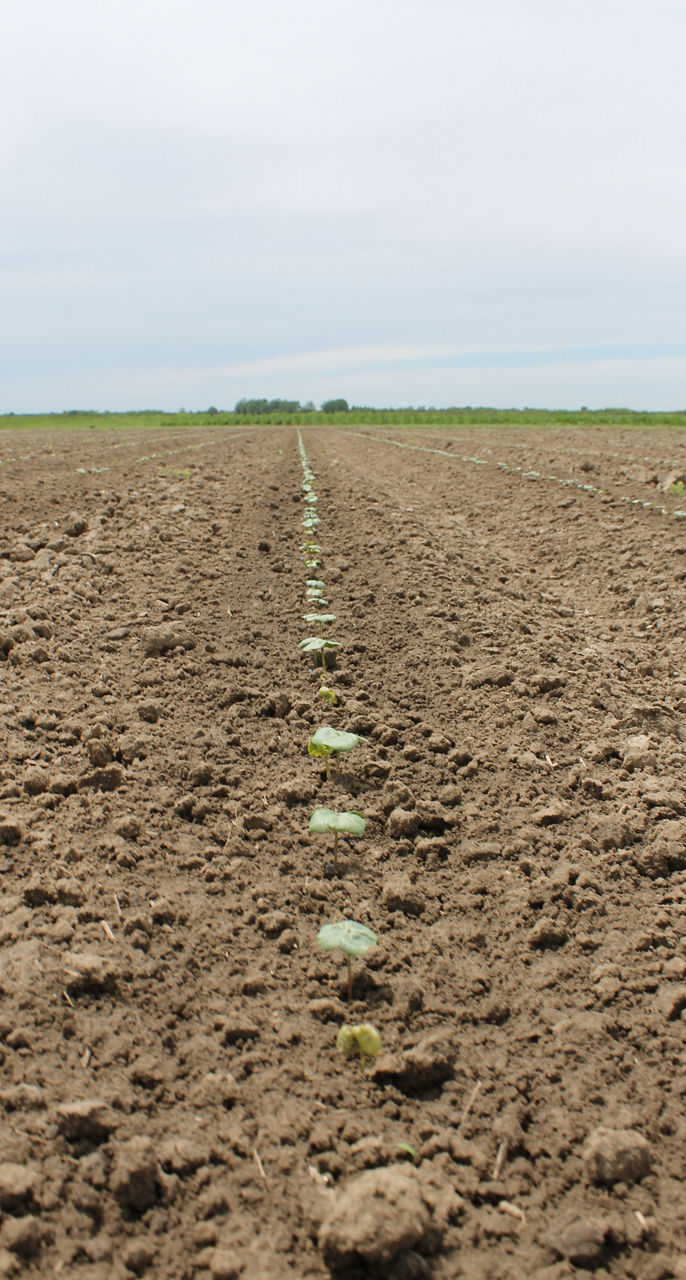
[510, 607]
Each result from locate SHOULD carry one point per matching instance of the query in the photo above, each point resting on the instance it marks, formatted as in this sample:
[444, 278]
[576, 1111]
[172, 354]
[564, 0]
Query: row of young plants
[528, 474]
[330, 745]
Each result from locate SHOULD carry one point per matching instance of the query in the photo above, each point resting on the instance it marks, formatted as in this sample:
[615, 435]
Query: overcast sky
[400, 202]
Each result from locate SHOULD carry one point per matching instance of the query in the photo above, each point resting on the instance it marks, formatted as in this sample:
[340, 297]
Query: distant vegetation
[291, 412]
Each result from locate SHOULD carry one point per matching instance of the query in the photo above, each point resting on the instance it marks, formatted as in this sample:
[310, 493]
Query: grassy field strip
[592, 489]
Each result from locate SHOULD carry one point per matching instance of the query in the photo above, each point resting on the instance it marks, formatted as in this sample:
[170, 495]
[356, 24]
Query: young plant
[319, 617]
[363, 1040]
[328, 742]
[315, 644]
[351, 938]
[348, 822]
[328, 695]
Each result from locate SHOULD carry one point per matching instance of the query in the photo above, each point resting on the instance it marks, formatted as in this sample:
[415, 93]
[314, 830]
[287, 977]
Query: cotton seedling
[328, 742]
[316, 644]
[320, 618]
[351, 938]
[347, 822]
[328, 695]
[362, 1041]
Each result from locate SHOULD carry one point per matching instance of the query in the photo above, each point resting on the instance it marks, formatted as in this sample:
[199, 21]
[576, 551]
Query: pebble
[380, 1215]
[107, 779]
[88, 971]
[616, 1155]
[86, 1120]
[637, 753]
[399, 894]
[75, 524]
[671, 1001]
[580, 1239]
[402, 824]
[428, 1063]
[163, 639]
[18, 1186]
[11, 830]
[547, 934]
[135, 1174]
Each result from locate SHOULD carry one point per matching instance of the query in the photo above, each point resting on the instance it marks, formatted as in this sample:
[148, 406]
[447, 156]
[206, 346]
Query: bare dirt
[171, 1102]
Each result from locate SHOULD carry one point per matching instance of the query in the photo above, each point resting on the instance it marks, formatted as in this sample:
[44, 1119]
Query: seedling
[363, 1040]
[328, 742]
[316, 644]
[349, 822]
[408, 1150]
[319, 617]
[351, 938]
[328, 695]
[315, 582]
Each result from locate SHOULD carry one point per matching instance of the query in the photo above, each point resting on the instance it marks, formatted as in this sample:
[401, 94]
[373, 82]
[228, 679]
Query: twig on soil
[260, 1166]
[108, 931]
[116, 903]
[69, 1002]
[470, 1103]
[500, 1160]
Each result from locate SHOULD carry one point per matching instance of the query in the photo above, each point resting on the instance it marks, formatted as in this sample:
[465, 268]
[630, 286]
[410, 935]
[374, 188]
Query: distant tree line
[259, 407]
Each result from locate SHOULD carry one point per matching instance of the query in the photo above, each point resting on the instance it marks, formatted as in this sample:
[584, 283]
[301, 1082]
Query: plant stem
[335, 848]
[348, 961]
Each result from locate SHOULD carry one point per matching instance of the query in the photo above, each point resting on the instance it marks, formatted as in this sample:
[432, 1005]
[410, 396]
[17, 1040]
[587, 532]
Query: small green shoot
[348, 822]
[328, 695]
[319, 617]
[316, 582]
[408, 1150]
[328, 742]
[677, 488]
[363, 1040]
[316, 644]
[351, 938]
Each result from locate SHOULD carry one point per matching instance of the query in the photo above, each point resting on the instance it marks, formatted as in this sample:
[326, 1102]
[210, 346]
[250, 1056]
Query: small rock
[99, 752]
[18, 1185]
[165, 638]
[637, 753]
[273, 923]
[135, 1174]
[402, 824]
[399, 894]
[35, 782]
[550, 814]
[107, 779]
[428, 1063]
[87, 971]
[11, 830]
[439, 744]
[670, 1001]
[616, 1155]
[494, 674]
[128, 827]
[547, 934]
[23, 1236]
[380, 1215]
[149, 711]
[75, 524]
[580, 1240]
[296, 791]
[224, 1264]
[87, 1120]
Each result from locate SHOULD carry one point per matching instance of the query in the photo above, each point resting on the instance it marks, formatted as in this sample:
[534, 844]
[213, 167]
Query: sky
[398, 202]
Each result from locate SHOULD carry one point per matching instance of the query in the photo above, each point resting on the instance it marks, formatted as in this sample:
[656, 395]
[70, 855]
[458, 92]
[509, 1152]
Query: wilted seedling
[317, 644]
[363, 1040]
[351, 938]
[348, 822]
[328, 695]
[328, 742]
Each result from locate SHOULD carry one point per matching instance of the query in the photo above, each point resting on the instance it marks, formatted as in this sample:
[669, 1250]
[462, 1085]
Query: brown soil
[172, 1103]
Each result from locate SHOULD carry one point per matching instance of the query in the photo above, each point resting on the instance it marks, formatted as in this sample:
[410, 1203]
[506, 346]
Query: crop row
[527, 474]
